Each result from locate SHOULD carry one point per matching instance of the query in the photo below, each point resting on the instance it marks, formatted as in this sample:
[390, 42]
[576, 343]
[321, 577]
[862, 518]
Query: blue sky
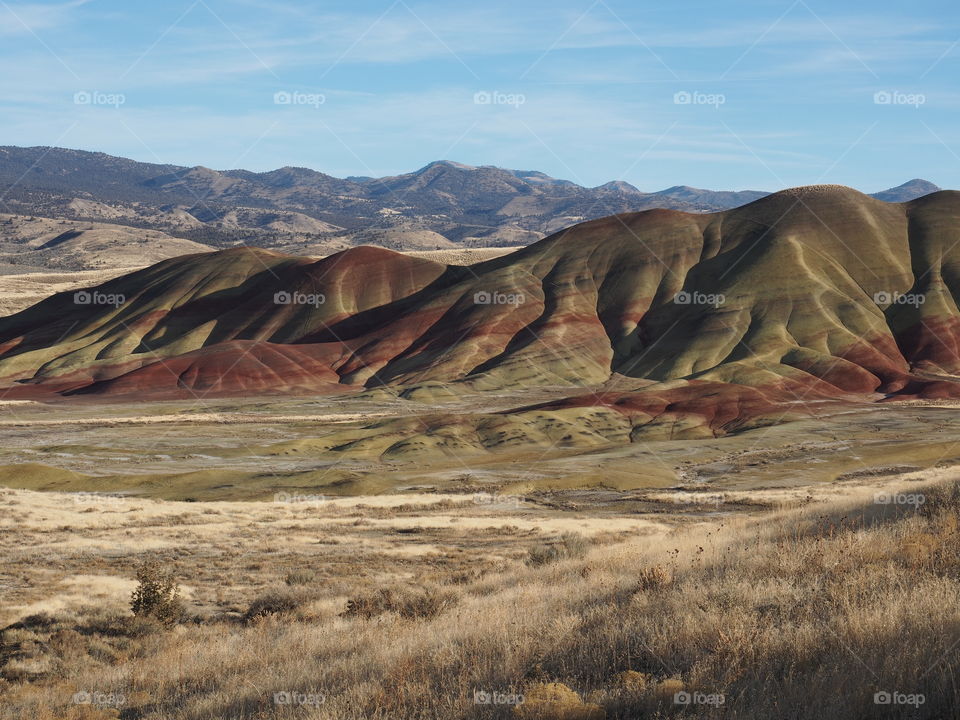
[725, 95]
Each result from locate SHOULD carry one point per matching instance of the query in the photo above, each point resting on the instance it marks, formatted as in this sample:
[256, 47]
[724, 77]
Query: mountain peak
[708, 199]
[619, 186]
[910, 190]
[445, 164]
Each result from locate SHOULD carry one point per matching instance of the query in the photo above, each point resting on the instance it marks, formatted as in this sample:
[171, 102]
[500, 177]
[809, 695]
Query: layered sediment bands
[807, 295]
[699, 408]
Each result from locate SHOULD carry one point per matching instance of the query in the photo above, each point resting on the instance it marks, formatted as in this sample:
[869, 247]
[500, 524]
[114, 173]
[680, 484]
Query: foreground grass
[805, 613]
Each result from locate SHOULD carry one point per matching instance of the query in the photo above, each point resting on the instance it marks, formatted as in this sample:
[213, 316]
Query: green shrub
[157, 595]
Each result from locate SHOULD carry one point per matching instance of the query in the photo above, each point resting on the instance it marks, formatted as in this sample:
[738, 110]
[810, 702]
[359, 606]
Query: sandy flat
[18, 292]
[195, 418]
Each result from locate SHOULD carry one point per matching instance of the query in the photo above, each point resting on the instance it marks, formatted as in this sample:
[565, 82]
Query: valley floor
[381, 442]
[774, 604]
[329, 567]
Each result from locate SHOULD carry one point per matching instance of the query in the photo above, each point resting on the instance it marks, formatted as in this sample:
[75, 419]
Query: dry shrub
[125, 626]
[934, 548]
[300, 577]
[274, 602]
[543, 555]
[555, 701]
[633, 681]
[574, 544]
[465, 577]
[568, 545]
[666, 690]
[941, 499]
[157, 594]
[410, 604]
[653, 578]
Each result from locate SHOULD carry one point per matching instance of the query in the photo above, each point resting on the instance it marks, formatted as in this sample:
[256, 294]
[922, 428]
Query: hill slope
[709, 320]
[34, 242]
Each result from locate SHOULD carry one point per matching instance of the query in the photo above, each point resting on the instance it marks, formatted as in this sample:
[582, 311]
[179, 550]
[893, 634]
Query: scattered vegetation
[653, 578]
[300, 577]
[555, 701]
[568, 545]
[275, 602]
[757, 616]
[410, 604]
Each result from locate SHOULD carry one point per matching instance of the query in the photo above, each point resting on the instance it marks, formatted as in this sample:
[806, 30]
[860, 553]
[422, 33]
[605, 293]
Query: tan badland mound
[809, 294]
[73, 245]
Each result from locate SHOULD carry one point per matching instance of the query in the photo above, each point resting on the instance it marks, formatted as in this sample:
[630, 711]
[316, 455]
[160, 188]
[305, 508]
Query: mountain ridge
[469, 206]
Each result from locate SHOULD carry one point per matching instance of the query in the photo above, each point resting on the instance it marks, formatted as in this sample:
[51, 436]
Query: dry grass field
[20, 291]
[840, 601]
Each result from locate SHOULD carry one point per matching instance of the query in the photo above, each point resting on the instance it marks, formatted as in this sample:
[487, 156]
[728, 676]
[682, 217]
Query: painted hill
[714, 321]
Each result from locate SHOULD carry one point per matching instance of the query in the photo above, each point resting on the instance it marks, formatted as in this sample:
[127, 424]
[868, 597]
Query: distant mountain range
[442, 205]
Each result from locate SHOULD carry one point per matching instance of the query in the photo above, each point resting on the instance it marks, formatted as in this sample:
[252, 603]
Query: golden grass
[795, 613]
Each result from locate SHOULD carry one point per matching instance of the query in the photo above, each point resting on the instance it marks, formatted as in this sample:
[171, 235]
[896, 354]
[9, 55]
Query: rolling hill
[34, 243]
[699, 323]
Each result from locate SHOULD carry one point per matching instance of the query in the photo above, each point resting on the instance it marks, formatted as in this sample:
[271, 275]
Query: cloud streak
[30, 18]
[399, 78]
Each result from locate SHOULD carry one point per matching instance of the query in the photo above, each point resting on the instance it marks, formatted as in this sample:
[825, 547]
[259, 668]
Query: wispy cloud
[399, 77]
[28, 18]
